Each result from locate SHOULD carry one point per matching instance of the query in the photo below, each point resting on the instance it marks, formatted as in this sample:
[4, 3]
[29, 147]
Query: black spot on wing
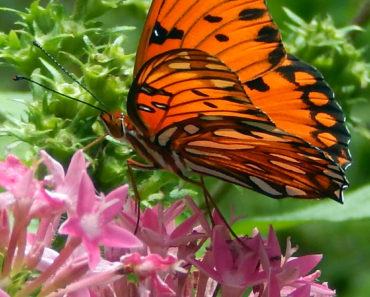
[149, 90]
[199, 93]
[222, 37]
[235, 87]
[276, 55]
[251, 14]
[258, 84]
[234, 99]
[338, 130]
[213, 19]
[254, 112]
[268, 34]
[209, 104]
[160, 34]
[176, 34]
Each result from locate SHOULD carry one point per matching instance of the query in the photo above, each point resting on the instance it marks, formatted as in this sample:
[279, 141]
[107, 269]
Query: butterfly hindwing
[229, 30]
[258, 156]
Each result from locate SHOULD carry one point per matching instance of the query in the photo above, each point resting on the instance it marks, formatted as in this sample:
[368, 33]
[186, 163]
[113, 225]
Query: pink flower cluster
[102, 256]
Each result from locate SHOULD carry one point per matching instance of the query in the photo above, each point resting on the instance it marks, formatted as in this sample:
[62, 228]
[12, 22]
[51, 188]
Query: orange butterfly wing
[194, 111]
[228, 30]
[299, 101]
[261, 157]
[182, 84]
[215, 92]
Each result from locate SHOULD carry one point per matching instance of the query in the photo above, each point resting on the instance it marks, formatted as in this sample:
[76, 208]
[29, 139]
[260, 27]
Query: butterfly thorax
[121, 127]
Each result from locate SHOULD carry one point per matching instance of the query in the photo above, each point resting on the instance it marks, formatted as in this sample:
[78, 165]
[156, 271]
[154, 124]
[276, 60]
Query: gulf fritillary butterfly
[216, 94]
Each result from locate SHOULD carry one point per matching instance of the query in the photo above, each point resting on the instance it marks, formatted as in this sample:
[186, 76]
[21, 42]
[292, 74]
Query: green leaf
[356, 207]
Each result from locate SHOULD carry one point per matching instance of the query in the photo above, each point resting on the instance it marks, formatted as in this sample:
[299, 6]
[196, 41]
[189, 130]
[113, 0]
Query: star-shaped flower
[93, 220]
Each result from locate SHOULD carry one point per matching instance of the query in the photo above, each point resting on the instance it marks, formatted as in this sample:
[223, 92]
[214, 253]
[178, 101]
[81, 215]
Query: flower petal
[221, 252]
[55, 168]
[304, 264]
[75, 170]
[11, 171]
[86, 195]
[94, 252]
[303, 291]
[116, 236]
[117, 198]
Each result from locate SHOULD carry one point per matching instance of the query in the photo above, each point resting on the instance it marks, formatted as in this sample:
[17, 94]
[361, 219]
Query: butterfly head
[116, 124]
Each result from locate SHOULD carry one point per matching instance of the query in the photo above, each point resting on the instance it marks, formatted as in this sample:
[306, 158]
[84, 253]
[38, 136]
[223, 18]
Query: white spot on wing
[178, 162]
[231, 133]
[160, 105]
[165, 136]
[222, 83]
[179, 65]
[292, 191]
[287, 167]
[191, 129]
[269, 137]
[332, 174]
[217, 67]
[184, 54]
[285, 158]
[223, 146]
[254, 167]
[218, 174]
[206, 153]
[264, 186]
[310, 157]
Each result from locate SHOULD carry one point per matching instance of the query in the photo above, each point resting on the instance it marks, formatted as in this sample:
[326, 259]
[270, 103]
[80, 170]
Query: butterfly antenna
[66, 72]
[18, 77]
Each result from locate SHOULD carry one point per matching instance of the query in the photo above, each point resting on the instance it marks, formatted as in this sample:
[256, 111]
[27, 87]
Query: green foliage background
[97, 40]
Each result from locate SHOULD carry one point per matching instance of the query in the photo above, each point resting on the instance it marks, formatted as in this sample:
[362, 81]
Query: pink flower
[158, 231]
[255, 262]
[230, 263]
[65, 186]
[11, 171]
[164, 264]
[150, 267]
[3, 294]
[92, 221]
[22, 188]
[290, 275]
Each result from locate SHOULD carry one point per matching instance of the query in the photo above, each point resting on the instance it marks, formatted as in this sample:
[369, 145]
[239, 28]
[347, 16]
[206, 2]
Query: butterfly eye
[114, 123]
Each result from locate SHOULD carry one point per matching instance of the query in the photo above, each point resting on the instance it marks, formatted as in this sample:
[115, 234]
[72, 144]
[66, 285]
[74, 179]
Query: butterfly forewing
[183, 84]
[299, 101]
[230, 30]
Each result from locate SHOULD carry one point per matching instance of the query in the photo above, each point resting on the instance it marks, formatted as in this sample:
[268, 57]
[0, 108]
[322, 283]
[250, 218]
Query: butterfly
[216, 94]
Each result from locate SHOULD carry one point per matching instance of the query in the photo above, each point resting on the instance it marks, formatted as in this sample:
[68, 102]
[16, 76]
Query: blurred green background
[341, 233]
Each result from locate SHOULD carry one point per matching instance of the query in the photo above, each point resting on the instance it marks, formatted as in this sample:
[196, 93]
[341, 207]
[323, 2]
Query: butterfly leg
[92, 143]
[137, 165]
[209, 201]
